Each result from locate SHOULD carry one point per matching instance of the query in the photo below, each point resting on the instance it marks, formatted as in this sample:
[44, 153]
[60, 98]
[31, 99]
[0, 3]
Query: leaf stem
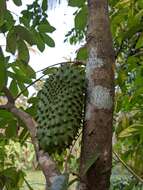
[67, 62]
[127, 167]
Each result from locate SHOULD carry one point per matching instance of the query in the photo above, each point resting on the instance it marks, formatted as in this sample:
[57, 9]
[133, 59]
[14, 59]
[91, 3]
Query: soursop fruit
[60, 108]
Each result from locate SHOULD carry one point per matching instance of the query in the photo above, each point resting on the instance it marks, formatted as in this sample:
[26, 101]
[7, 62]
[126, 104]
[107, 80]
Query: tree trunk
[97, 132]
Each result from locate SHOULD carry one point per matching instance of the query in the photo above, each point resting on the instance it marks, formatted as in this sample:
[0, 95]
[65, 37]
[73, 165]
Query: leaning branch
[47, 165]
[128, 168]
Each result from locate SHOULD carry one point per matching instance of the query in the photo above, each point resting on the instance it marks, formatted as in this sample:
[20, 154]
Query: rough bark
[97, 132]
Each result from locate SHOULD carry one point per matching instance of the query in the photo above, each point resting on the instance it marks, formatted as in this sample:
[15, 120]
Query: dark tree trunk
[97, 132]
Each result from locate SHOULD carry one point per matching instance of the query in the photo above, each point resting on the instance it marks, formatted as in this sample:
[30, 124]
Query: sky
[62, 19]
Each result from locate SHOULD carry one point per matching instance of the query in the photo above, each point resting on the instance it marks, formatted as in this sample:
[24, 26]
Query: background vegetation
[16, 75]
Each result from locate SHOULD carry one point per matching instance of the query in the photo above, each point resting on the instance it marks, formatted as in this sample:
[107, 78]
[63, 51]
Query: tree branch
[77, 62]
[128, 168]
[29, 86]
[47, 165]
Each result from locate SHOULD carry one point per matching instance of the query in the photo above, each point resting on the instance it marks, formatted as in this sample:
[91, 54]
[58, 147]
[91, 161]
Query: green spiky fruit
[60, 108]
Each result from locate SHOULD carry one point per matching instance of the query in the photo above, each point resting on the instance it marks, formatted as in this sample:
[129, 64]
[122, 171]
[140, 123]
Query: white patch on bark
[93, 62]
[101, 98]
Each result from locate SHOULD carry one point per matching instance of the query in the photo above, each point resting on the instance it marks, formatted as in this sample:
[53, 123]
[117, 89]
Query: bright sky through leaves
[62, 19]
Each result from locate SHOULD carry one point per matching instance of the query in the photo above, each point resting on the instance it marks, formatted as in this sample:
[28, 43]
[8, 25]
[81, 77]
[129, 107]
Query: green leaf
[14, 88]
[91, 160]
[33, 100]
[140, 42]
[27, 70]
[48, 40]
[39, 41]
[49, 71]
[45, 5]
[24, 34]
[3, 75]
[81, 19]
[11, 42]
[23, 135]
[11, 129]
[32, 111]
[23, 88]
[2, 11]
[140, 3]
[129, 131]
[11, 174]
[46, 27]
[82, 54]
[5, 114]
[23, 52]
[76, 3]
[17, 2]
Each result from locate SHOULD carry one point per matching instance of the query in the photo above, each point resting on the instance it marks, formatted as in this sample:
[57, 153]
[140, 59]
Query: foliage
[20, 32]
[33, 28]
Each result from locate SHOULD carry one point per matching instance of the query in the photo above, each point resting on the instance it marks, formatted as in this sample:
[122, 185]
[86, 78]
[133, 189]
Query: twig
[66, 62]
[29, 86]
[128, 168]
[76, 62]
[70, 151]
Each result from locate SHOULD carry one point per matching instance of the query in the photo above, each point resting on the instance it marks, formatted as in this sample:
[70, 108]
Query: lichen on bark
[101, 98]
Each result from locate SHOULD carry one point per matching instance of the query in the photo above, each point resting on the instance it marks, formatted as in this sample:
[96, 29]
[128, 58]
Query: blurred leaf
[14, 88]
[46, 27]
[11, 42]
[140, 42]
[5, 114]
[39, 41]
[45, 5]
[48, 40]
[51, 70]
[2, 11]
[23, 135]
[3, 75]
[129, 131]
[24, 34]
[33, 100]
[76, 3]
[11, 129]
[82, 54]
[23, 89]
[23, 52]
[80, 23]
[26, 69]
[17, 2]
